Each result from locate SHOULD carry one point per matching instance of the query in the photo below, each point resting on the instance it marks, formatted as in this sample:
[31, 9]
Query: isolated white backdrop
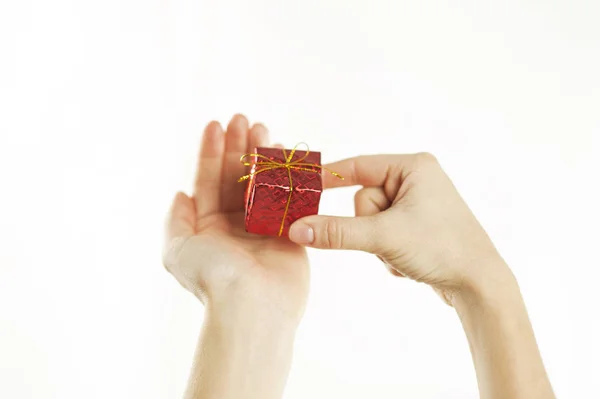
[101, 109]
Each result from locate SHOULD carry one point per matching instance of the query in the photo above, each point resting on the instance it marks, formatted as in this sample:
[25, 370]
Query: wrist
[250, 318]
[241, 354]
[490, 283]
[494, 317]
[250, 302]
[251, 337]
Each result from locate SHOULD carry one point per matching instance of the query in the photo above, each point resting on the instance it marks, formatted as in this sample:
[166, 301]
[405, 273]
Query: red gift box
[283, 186]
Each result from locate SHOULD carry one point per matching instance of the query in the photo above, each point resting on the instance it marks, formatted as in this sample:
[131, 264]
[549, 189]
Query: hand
[209, 252]
[411, 216]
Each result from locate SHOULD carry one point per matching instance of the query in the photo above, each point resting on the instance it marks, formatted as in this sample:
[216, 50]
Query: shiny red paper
[268, 192]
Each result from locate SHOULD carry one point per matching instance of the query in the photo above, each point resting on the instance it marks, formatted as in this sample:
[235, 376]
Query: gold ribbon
[265, 163]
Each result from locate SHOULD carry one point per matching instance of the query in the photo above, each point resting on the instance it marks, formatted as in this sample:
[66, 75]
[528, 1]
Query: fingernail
[301, 233]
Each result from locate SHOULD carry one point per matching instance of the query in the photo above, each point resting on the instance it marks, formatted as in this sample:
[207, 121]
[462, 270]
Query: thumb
[331, 232]
[179, 226]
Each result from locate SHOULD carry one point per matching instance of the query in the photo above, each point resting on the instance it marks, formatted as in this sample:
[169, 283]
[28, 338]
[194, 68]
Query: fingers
[370, 201]
[180, 220]
[179, 226]
[236, 144]
[359, 233]
[366, 170]
[259, 137]
[207, 190]
[330, 232]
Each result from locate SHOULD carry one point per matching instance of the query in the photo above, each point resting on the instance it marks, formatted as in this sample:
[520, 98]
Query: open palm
[207, 248]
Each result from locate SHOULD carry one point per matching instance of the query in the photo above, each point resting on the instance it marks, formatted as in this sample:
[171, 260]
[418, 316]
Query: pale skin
[254, 288]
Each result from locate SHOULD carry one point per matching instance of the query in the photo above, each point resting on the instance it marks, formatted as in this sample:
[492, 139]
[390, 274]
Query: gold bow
[265, 163]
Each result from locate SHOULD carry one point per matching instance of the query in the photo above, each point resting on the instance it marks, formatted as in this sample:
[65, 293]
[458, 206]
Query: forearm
[500, 335]
[241, 354]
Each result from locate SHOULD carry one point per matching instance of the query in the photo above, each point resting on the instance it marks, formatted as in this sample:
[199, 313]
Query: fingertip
[239, 117]
[238, 122]
[332, 181]
[180, 196]
[181, 203]
[236, 140]
[213, 139]
[301, 233]
[278, 145]
[259, 128]
[259, 136]
[213, 128]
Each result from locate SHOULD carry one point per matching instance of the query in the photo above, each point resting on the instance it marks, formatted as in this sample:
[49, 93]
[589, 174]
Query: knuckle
[424, 161]
[426, 158]
[360, 195]
[333, 236]
[384, 233]
[373, 246]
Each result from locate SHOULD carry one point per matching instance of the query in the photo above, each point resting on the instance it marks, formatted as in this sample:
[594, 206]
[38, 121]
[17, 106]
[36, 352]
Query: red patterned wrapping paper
[268, 192]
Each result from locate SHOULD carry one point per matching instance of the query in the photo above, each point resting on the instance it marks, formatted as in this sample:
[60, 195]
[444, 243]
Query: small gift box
[283, 186]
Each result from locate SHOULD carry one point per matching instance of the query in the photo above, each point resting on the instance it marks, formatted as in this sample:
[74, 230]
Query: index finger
[364, 170]
[207, 190]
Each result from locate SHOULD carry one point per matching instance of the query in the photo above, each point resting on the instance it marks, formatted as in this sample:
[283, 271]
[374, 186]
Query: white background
[101, 109]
